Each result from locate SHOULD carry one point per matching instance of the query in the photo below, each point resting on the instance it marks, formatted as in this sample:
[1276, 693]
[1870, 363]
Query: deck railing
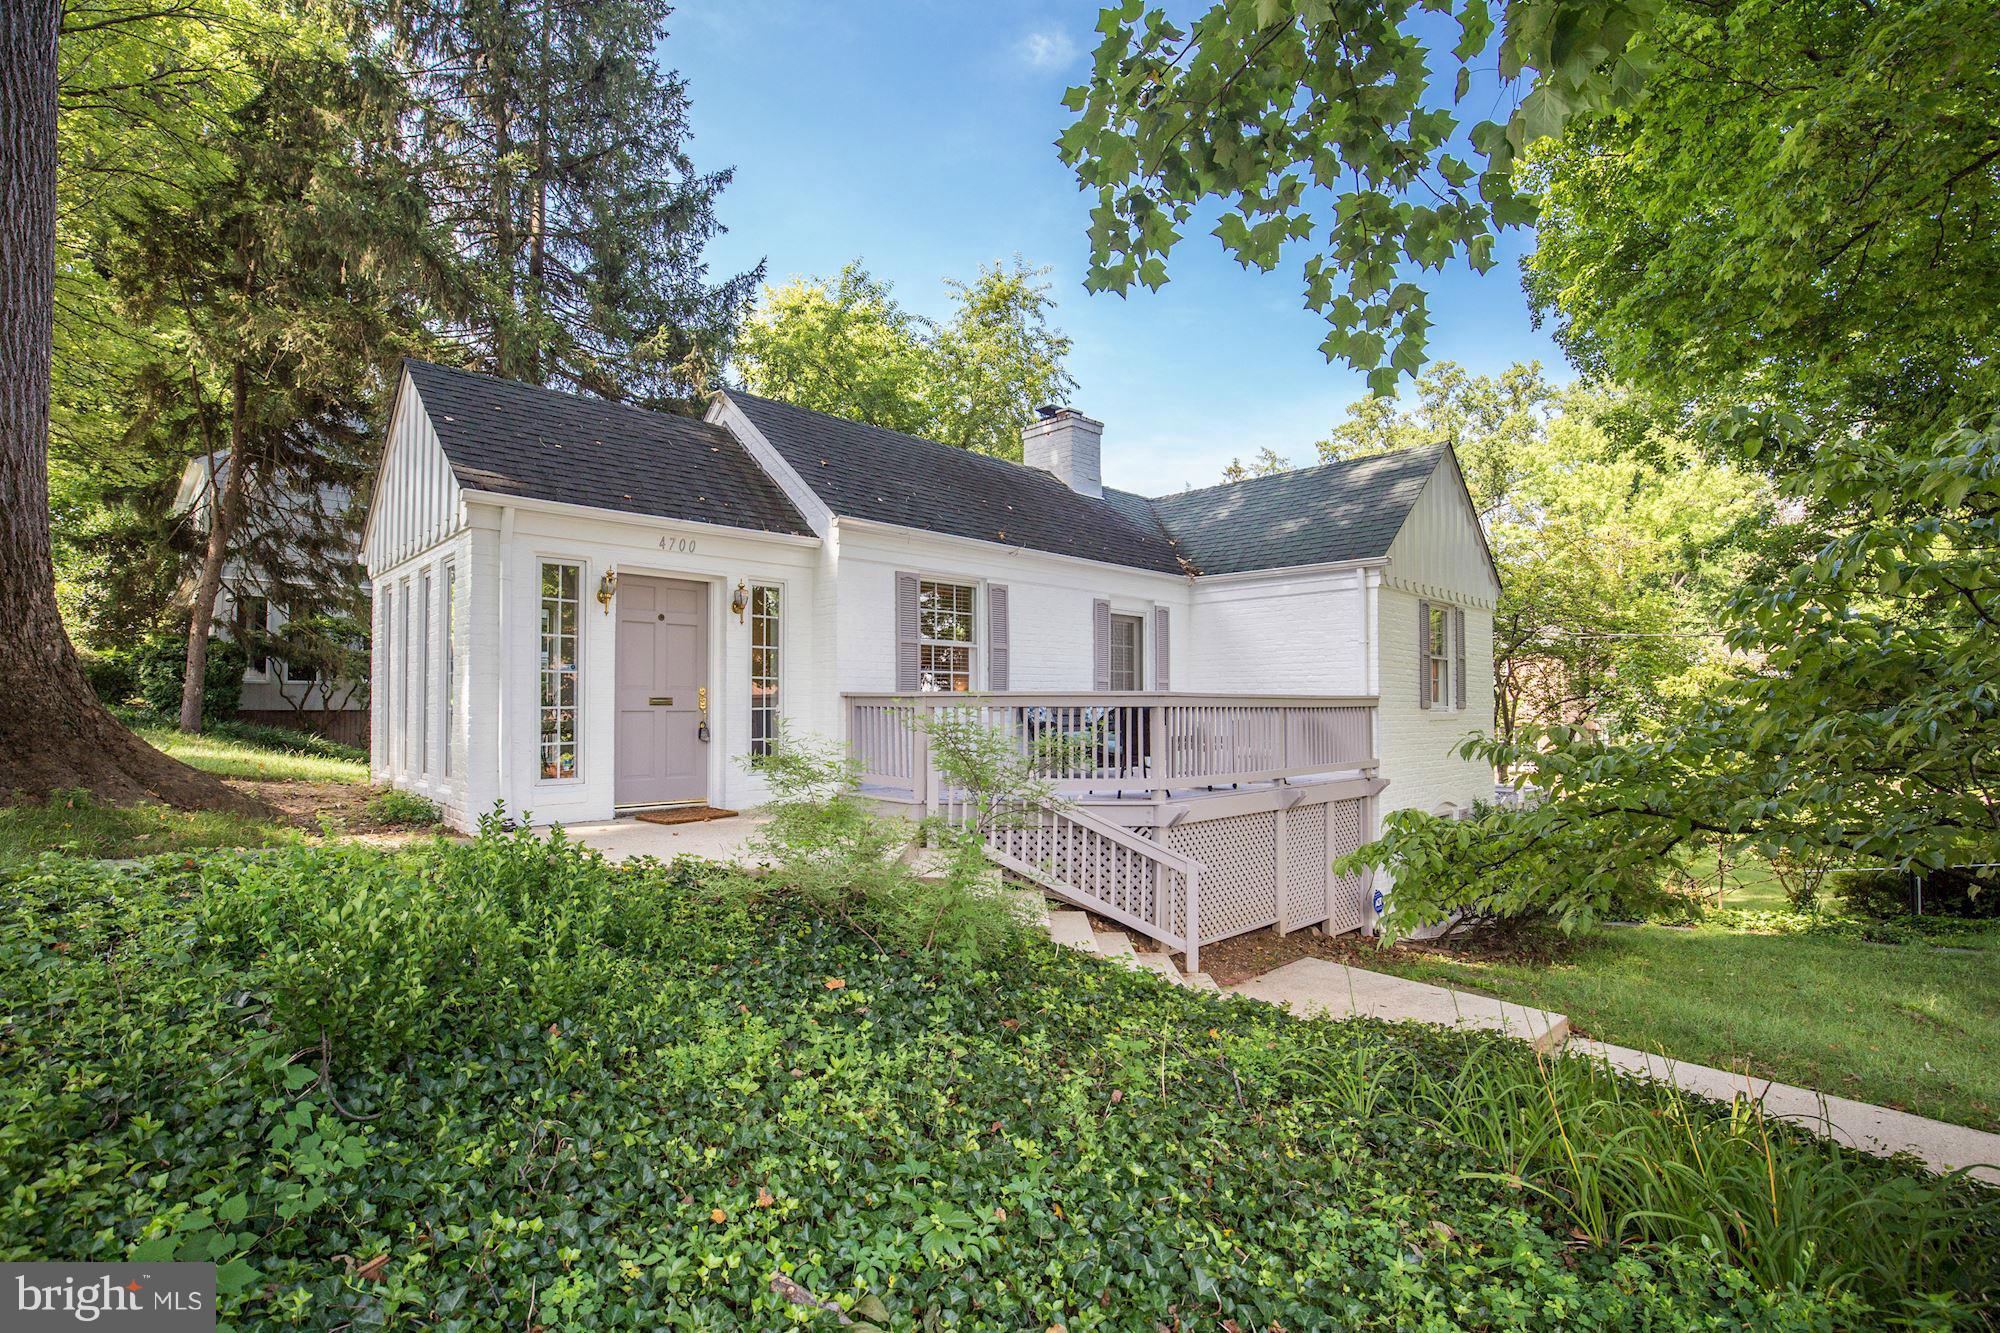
[1107, 742]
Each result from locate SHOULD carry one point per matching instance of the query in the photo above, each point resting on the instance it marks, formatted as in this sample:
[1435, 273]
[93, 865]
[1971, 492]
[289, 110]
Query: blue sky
[918, 137]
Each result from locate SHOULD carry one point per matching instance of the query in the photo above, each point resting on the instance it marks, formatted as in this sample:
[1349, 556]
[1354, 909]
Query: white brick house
[583, 608]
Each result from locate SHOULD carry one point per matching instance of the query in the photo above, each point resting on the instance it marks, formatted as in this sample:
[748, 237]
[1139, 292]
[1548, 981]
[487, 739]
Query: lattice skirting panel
[1239, 871]
[1307, 866]
[1347, 902]
[1240, 884]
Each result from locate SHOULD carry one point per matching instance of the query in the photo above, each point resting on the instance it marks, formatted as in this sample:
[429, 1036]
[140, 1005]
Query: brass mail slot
[661, 701]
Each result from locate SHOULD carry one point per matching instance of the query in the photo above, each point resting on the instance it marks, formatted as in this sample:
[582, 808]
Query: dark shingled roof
[871, 473]
[1350, 510]
[507, 438]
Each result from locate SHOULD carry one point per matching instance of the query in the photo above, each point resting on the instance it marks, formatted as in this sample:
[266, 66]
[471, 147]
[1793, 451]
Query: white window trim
[402, 748]
[583, 599]
[426, 583]
[1438, 661]
[448, 581]
[1144, 620]
[256, 675]
[783, 590]
[975, 670]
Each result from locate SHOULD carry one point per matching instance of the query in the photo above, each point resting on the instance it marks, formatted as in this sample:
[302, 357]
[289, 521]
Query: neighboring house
[584, 608]
[274, 691]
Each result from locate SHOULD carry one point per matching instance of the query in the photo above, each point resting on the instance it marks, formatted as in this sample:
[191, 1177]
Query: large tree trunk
[53, 731]
[223, 516]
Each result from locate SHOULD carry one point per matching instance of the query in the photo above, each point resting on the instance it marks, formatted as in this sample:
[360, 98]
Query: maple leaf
[718, 1215]
[764, 1199]
[835, 983]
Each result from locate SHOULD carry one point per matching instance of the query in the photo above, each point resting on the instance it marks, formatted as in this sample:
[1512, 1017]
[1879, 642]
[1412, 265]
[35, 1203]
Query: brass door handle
[701, 699]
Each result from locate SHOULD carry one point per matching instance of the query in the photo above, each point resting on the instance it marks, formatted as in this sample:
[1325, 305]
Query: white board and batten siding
[1438, 558]
[417, 552]
[417, 501]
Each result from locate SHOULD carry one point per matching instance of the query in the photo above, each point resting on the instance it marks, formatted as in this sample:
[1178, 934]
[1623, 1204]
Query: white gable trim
[416, 501]
[725, 413]
[1441, 551]
[953, 541]
[1279, 572]
[501, 500]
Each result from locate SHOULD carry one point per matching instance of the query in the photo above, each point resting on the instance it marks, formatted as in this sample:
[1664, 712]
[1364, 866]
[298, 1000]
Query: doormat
[686, 814]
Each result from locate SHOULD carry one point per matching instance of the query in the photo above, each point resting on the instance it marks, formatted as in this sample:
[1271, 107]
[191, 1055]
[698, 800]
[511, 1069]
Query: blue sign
[1378, 902]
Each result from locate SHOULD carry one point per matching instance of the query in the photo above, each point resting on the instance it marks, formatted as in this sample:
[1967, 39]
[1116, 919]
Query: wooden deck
[1187, 817]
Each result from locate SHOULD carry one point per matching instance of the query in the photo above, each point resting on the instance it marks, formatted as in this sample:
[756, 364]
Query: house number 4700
[678, 545]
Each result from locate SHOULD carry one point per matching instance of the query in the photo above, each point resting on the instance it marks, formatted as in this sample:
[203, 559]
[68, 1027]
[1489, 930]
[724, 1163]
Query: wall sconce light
[741, 601]
[607, 588]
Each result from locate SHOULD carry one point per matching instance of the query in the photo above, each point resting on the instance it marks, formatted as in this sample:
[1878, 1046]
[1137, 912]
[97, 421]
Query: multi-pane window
[1438, 659]
[450, 660]
[945, 637]
[560, 615]
[764, 655]
[1127, 633]
[421, 741]
[253, 615]
[403, 673]
[389, 677]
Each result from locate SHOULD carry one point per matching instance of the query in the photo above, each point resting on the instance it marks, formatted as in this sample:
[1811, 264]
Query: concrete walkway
[715, 840]
[1317, 986]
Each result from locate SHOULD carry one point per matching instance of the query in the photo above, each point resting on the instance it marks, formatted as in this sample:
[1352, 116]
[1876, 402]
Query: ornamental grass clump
[1633, 1162]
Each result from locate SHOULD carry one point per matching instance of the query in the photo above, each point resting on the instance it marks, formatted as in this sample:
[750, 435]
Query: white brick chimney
[1065, 442]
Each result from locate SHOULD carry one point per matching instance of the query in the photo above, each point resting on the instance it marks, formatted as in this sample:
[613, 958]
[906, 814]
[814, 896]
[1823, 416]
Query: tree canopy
[847, 346]
[1769, 222]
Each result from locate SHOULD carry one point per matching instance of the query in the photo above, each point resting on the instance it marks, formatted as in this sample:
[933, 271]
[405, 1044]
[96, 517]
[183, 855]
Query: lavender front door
[662, 688]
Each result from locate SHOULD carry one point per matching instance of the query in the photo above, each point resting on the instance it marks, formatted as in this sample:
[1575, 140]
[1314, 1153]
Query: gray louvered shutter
[907, 675]
[997, 664]
[1161, 643]
[1100, 645]
[1458, 655]
[1423, 654]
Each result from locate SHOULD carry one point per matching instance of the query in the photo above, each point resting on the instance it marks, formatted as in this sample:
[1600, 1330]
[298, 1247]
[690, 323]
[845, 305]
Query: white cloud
[1046, 48]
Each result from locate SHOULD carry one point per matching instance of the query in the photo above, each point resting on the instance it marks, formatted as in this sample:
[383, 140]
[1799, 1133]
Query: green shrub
[163, 667]
[286, 738]
[825, 844]
[603, 1097]
[113, 674]
[391, 806]
[1887, 894]
[1452, 870]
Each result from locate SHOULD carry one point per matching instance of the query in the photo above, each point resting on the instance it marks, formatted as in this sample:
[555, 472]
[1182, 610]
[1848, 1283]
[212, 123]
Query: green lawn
[1909, 1025]
[73, 823]
[234, 756]
[77, 825]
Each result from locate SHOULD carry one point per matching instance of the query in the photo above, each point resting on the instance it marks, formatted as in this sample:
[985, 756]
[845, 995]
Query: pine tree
[557, 149]
[286, 285]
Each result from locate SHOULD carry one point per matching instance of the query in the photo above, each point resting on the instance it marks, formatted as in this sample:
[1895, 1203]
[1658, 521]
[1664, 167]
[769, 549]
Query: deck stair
[1070, 927]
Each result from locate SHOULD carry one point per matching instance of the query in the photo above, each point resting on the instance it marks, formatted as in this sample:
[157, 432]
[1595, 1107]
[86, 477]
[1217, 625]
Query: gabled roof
[869, 472]
[512, 439]
[1350, 510]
